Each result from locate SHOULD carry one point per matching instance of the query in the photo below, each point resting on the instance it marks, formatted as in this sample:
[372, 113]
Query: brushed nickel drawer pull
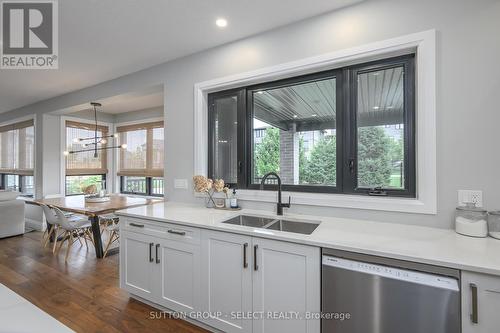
[137, 225]
[156, 253]
[255, 266]
[151, 252]
[181, 233]
[245, 262]
[474, 314]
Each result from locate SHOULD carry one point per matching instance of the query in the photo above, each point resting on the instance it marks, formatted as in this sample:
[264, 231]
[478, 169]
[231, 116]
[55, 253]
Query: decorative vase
[209, 201]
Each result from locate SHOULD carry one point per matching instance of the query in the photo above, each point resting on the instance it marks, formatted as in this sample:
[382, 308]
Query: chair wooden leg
[44, 235]
[78, 237]
[110, 240]
[70, 244]
[61, 243]
[47, 239]
[91, 236]
[55, 240]
[85, 238]
[113, 238]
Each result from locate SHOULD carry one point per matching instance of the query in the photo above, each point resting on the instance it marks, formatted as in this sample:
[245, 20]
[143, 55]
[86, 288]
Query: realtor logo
[29, 35]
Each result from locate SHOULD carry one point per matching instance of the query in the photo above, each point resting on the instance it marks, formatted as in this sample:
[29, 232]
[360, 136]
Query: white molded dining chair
[72, 227]
[107, 221]
[51, 219]
[114, 236]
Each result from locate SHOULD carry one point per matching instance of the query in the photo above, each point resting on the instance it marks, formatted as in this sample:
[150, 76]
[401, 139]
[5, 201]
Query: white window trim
[423, 43]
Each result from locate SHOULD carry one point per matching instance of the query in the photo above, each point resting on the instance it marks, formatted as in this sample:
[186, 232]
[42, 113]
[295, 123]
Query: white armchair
[11, 214]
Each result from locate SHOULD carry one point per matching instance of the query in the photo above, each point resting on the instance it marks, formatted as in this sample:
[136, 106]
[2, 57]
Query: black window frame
[351, 144]
[20, 188]
[241, 117]
[103, 179]
[324, 75]
[346, 128]
[149, 187]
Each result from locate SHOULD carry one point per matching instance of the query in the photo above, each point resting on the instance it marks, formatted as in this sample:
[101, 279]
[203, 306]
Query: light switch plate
[181, 183]
[475, 196]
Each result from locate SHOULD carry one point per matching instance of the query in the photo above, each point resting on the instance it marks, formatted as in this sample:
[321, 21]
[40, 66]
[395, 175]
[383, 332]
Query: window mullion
[243, 139]
[341, 116]
[350, 132]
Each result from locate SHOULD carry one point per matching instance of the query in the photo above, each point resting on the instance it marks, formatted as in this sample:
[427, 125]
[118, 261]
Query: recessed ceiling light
[376, 107]
[295, 116]
[314, 115]
[221, 22]
[260, 92]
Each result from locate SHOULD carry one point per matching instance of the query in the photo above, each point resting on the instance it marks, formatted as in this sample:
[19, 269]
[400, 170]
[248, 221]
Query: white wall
[51, 155]
[467, 88]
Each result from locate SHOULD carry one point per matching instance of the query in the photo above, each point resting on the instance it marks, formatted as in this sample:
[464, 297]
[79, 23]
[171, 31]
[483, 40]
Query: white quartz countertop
[433, 246]
[17, 315]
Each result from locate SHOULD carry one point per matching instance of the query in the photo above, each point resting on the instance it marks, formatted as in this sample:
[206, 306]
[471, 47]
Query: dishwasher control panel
[432, 280]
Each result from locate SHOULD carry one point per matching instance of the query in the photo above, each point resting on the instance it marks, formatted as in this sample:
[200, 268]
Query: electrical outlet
[475, 196]
[181, 183]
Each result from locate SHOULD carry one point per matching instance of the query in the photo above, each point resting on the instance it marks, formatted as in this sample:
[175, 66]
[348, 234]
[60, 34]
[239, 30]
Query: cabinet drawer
[163, 230]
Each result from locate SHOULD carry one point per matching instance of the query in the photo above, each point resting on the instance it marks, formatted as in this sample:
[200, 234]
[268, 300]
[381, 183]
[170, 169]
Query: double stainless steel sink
[288, 225]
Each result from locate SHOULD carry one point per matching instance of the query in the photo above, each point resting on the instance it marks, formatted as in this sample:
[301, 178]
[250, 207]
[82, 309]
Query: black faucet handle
[289, 202]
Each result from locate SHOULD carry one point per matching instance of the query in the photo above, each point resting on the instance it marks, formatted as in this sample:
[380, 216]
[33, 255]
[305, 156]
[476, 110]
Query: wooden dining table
[77, 204]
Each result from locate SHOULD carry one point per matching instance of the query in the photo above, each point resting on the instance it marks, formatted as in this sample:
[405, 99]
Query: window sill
[389, 204]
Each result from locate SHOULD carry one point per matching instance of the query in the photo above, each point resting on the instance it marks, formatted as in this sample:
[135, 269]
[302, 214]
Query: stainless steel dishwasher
[381, 295]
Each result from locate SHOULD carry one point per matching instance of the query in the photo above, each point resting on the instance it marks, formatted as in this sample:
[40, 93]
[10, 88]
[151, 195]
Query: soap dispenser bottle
[234, 199]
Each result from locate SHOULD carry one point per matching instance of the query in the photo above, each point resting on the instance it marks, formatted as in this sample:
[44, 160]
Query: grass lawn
[395, 180]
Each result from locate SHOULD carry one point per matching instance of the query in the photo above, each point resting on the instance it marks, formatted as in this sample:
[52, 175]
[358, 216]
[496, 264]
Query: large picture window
[84, 169]
[17, 157]
[347, 130]
[141, 163]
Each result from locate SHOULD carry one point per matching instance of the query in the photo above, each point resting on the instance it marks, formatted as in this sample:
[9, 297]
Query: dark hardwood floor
[83, 293]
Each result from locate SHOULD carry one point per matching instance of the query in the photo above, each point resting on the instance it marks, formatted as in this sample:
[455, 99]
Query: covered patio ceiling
[312, 105]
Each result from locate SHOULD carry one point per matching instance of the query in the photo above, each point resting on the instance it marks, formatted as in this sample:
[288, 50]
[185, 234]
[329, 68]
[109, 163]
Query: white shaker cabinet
[238, 283]
[179, 274]
[480, 303]
[286, 282]
[226, 280]
[137, 264]
[161, 264]
[261, 280]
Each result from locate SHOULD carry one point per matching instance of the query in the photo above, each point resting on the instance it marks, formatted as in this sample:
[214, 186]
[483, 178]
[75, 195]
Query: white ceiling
[151, 97]
[102, 40]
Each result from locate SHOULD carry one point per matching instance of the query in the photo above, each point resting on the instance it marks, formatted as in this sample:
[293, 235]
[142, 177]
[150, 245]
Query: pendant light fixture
[97, 143]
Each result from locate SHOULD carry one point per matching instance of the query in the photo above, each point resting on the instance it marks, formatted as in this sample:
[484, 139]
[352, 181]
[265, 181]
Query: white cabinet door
[137, 264]
[226, 280]
[178, 265]
[483, 291]
[286, 281]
